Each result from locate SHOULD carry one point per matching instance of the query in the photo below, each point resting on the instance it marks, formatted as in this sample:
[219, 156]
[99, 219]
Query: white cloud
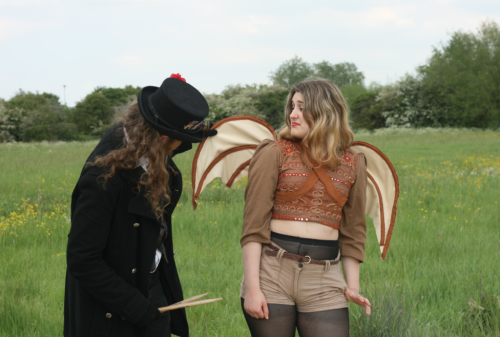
[261, 24]
[365, 18]
[130, 60]
[233, 56]
[381, 16]
[10, 28]
[462, 21]
[20, 3]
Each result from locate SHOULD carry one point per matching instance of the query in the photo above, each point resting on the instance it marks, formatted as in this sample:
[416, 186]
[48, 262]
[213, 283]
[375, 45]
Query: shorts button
[108, 315]
[301, 265]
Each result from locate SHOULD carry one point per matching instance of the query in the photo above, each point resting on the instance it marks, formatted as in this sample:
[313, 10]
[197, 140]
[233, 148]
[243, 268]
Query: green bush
[37, 133]
[262, 101]
[366, 112]
[65, 131]
[458, 87]
[342, 74]
[462, 78]
[10, 123]
[92, 112]
[352, 91]
[405, 104]
[119, 96]
[29, 101]
[60, 131]
[291, 72]
[271, 104]
[235, 100]
[35, 117]
[296, 70]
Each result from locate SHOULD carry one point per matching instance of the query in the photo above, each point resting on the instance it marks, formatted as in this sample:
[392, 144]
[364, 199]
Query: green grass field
[441, 276]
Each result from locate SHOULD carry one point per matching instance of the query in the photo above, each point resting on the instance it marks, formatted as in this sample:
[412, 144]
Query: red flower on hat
[347, 158]
[178, 76]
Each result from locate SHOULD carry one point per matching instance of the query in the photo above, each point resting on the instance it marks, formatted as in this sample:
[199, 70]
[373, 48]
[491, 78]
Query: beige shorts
[310, 287]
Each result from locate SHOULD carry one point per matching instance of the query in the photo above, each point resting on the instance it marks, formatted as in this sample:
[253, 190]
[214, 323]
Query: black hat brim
[148, 115]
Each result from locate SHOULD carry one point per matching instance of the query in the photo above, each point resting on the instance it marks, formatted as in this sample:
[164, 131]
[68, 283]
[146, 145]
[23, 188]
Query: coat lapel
[138, 205]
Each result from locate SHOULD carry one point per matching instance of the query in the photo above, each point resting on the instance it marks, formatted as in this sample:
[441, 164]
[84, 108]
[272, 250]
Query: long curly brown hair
[143, 141]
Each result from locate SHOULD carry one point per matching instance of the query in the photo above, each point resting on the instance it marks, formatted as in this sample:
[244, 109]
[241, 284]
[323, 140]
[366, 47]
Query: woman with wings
[305, 213]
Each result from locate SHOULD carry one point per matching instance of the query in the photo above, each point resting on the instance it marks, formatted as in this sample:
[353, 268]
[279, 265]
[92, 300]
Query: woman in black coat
[120, 256]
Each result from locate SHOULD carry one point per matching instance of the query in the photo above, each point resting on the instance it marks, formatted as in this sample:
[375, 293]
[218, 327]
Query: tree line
[35, 117]
[458, 86]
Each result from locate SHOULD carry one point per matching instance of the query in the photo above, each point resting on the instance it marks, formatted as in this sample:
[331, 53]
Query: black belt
[274, 251]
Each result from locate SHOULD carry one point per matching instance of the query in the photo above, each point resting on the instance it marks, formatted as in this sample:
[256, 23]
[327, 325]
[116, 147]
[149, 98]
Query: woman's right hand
[255, 304]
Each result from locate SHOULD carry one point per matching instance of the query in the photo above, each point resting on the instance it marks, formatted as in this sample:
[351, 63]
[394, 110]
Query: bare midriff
[303, 229]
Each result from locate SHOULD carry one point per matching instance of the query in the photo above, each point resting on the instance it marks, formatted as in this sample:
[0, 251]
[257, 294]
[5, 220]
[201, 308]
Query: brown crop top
[318, 201]
[282, 186]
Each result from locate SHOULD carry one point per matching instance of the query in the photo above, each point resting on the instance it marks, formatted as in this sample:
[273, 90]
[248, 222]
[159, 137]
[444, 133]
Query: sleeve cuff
[354, 253]
[149, 316]
[254, 238]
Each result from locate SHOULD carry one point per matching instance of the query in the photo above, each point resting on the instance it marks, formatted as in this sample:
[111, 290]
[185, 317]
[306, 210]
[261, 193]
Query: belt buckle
[308, 258]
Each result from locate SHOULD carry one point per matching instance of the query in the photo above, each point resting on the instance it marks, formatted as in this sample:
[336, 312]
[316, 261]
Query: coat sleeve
[352, 236]
[94, 207]
[259, 194]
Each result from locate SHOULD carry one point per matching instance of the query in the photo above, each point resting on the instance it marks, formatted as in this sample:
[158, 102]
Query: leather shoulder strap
[325, 179]
[330, 187]
[303, 189]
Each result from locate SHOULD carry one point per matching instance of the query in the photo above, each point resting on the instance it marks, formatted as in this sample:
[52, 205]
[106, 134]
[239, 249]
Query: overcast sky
[45, 44]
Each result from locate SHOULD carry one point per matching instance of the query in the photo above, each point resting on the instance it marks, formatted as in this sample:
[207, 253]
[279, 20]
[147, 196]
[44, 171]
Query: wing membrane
[227, 155]
[382, 193]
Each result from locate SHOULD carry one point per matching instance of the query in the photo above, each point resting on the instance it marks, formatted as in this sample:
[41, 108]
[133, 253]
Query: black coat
[111, 247]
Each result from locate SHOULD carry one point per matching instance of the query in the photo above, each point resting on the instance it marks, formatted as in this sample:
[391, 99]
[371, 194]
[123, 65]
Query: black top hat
[174, 108]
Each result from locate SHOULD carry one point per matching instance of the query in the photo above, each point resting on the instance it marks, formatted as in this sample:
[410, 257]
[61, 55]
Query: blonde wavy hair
[326, 113]
[143, 141]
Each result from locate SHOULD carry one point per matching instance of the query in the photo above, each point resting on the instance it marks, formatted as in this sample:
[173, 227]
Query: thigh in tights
[284, 318]
[329, 323]
[281, 322]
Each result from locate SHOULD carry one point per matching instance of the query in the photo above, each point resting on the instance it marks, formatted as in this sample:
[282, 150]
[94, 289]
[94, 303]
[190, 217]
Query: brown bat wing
[382, 193]
[228, 154]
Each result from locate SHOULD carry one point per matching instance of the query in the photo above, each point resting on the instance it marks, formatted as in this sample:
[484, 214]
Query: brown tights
[283, 319]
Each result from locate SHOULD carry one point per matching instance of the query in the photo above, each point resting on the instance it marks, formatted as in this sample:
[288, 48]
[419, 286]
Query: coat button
[136, 225]
[134, 271]
[108, 315]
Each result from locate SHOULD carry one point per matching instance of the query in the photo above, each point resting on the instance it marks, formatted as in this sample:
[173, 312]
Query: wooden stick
[185, 305]
[191, 299]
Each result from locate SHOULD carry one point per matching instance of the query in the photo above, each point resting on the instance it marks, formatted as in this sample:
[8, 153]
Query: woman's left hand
[354, 297]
